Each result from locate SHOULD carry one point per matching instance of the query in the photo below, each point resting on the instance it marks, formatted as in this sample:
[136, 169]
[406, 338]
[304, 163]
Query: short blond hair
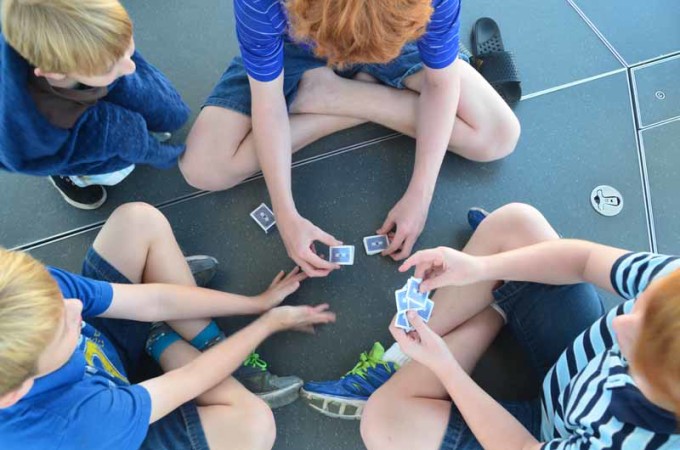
[86, 37]
[31, 308]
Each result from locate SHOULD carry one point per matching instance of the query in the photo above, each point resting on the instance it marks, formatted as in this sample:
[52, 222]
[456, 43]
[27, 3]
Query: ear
[627, 329]
[51, 75]
[11, 398]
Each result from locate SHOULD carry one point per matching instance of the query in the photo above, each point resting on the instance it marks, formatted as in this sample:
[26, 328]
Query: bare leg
[138, 241]
[414, 388]
[486, 128]
[221, 149]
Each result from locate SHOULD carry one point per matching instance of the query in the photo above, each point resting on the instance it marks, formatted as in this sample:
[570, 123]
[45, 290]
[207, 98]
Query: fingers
[395, 244]
[319, 263]
[406, 248]
[277, 279]
[387, 226]
[326, 238]
[417, 322]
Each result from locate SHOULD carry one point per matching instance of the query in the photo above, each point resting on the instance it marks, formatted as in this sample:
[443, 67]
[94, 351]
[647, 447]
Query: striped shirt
[589, 399]
[262, 28]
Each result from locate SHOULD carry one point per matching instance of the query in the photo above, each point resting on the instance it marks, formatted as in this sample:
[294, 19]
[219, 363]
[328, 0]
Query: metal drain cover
[606, 200]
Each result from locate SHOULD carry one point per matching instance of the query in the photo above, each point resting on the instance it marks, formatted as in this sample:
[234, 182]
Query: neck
[648, 392]
[66, 83]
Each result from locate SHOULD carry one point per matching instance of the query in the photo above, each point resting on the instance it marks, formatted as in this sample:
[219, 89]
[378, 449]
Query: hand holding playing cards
[299, 318]
[422, 345]
[408, 216]
[298, 236]
[443, 266]
[282, 286]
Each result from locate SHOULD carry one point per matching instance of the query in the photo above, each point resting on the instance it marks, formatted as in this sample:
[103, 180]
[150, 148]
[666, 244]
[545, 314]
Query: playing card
[264, 217]
[402, 322]
[400, 297]
[413, 293]
[376, 244]
[342, 255]
[426, 312]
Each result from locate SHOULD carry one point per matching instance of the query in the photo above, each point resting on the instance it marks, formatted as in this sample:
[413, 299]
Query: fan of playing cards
[410, 297]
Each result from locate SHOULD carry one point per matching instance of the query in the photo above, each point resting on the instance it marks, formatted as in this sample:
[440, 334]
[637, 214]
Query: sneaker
[276, 391]
[203, 268]
[475, 216]
[89, 197]
[162, 136]
[346, 397]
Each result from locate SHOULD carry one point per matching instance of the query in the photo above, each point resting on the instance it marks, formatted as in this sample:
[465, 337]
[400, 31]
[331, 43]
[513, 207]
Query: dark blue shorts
[233, 89]
[179, 430]
[545, 320]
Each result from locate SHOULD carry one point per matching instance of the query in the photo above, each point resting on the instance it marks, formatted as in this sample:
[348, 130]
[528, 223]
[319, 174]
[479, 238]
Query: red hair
[358, 31]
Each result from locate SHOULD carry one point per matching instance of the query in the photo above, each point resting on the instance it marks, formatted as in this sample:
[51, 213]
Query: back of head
[68, 36]
[657, 352]
[358, 31]
[30, 311]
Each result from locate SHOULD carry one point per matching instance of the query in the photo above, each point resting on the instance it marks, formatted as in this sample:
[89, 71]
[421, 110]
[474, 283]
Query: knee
[498, 139]
[374, 422]
[207, 177]
[258, 424]
[521, 218]
[140, 216]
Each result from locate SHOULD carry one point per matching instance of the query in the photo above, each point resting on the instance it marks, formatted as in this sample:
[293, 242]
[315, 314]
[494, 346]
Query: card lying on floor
[342, 255]
[264, 217]
[376, 244]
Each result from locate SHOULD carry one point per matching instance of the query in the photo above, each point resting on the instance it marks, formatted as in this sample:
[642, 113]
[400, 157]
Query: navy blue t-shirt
[86, 404]
[262, 26]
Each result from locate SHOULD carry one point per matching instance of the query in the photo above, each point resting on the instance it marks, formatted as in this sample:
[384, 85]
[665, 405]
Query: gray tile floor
[588, 68]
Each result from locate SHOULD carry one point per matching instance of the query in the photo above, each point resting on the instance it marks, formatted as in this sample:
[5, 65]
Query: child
[69, 384]
[399, 67]
[610, 378]
[78, 103]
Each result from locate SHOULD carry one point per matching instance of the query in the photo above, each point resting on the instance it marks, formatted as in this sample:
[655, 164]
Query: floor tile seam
[660, 123]
[571, 84]
[598, 33]
[642, 165]
[655, 60]
[633, 71]
[42, 242]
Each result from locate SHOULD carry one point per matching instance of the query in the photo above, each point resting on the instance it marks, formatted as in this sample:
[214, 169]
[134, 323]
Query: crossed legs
[139, 242]
[220, 147]
[412, 409]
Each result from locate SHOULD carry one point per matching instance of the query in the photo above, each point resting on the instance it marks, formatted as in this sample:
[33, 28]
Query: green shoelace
[255, 361]
[366, 361]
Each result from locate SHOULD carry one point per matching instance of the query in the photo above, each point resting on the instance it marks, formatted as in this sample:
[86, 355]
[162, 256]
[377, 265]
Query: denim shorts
[233, 89]
[179, 430]
[545, 320]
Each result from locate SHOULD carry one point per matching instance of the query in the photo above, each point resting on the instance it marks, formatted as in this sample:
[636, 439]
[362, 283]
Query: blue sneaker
[475, 216]
[346, 397]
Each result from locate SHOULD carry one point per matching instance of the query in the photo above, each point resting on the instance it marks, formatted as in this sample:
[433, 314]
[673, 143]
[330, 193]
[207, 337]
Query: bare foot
[317, 92]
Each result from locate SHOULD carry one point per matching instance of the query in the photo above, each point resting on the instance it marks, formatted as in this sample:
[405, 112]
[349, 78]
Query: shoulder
[255, 8]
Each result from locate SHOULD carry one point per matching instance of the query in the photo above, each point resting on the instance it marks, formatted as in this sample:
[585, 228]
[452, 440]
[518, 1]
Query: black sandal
[495, 64]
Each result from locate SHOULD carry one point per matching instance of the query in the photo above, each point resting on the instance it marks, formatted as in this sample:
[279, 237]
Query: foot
[475, 216]
[346, 397]
[88, 198]
[274, 390]
[203, 268]
[316, 92]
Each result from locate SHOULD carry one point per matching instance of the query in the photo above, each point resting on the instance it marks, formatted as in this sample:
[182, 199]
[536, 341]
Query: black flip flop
[495, 63]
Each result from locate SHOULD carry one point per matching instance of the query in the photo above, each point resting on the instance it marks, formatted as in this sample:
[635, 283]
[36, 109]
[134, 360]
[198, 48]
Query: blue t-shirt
[262, 26]
[86, 404]
[589, 398]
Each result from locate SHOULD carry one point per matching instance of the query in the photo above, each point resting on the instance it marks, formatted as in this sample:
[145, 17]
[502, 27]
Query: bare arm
[564, 261]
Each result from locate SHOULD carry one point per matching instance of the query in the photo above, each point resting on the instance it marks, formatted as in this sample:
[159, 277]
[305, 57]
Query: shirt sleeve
[572, 443]
[95, 295]
[259, 29]
[439, 46]
[126, 411]
[632, 273]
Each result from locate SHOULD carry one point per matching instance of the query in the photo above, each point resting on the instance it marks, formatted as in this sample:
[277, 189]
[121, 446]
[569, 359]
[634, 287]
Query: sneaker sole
[335, 407]
[282, 397]
[85, 206]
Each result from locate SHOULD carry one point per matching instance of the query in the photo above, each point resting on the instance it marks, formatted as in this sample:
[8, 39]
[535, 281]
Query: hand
[408, 216]
[443, 266]
[282, 286]
[300, 318]
[423, 345]
[298, 235]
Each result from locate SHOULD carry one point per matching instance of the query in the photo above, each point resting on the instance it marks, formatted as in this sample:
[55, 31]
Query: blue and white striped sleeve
[573, 443]
[632, 273]
[438, 47]
[260, 28]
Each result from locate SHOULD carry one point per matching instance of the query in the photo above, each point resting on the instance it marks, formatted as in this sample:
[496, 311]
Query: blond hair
[86, 37]
[31, 308]
[657, 352]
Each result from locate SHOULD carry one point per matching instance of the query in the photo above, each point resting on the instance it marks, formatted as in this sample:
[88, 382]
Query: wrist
[269, 323]
[260, 304]
[421, 192]
[446, 368]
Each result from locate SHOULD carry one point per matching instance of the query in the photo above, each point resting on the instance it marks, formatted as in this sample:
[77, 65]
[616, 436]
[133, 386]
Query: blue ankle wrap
[208, 337]
[156, 345]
